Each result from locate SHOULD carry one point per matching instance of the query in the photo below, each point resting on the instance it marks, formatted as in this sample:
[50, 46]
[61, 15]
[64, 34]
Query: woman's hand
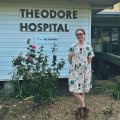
[70, 59]
[89, 60]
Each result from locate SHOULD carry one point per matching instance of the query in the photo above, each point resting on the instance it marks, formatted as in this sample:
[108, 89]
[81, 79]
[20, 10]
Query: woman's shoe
[85, 113]
[78, 113]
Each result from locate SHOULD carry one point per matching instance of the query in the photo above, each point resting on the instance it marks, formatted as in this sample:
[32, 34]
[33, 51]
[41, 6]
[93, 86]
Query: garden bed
[102, 107]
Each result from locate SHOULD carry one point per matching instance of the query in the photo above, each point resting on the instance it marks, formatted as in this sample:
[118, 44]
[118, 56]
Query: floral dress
[80, 71]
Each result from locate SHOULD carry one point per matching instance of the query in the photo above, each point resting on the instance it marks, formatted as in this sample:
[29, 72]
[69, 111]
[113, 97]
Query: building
[54, 20]
[106, 34]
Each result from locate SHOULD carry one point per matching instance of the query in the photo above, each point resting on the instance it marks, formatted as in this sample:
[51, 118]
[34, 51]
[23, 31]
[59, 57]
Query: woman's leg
[83, 95]
[80, 98]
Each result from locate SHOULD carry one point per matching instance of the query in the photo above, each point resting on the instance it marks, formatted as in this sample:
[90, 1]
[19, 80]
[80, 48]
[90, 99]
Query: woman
[80, 57]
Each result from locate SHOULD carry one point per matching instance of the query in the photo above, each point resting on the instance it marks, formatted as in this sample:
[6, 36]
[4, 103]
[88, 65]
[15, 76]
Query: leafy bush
[39, 77]
[116, 88]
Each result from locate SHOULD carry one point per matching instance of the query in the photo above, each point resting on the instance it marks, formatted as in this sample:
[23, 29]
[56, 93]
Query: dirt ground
[102, 107]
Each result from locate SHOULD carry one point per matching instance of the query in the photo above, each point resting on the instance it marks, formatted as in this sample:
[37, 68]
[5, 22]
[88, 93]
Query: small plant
[109, 111]
[116, 88]
[39, 77]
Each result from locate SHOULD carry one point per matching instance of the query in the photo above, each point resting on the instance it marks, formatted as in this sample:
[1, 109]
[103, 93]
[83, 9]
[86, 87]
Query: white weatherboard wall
[13, 41]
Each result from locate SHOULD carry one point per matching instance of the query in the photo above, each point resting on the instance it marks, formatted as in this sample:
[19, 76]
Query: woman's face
[80, 36]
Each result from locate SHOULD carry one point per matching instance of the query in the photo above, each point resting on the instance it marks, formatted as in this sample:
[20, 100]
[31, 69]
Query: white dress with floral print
[80, 70]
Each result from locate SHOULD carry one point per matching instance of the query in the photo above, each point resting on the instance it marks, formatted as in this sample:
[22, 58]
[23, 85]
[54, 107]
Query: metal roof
[98, 5]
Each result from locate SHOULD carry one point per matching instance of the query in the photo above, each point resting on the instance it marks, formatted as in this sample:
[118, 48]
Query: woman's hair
[80, 29]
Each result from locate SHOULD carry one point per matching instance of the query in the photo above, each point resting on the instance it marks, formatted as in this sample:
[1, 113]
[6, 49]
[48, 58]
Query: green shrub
[8, 89]
[39, 77]
[116, 88]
